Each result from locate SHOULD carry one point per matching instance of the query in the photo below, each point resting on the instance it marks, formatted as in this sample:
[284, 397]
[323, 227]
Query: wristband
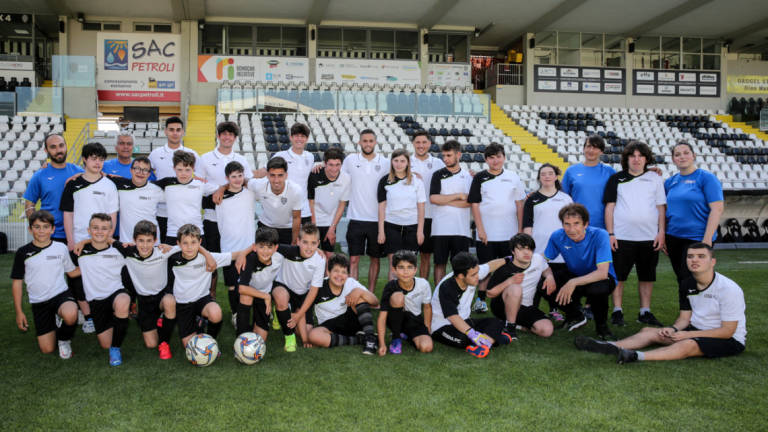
[675, 329]
[611, 234]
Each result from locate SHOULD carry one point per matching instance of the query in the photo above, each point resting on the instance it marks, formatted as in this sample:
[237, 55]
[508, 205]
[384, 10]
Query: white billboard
[218, 68]
[446, 75]
[355, 71]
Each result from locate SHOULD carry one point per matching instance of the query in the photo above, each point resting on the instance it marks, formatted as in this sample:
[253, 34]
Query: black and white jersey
[299, 168]
[722, 300]
[365, 175]
[402, 199]
[162, 165]
[531, 276]
[84, 198]
[136, 204]
[189, 278]
[148, 274]
[237, 219]
[211, 166]
[299, 273]
[449, 220]
[185, 202]
[635, 217]
[425, 168]
[100, 269]
[540, 213]
[258, 275]
[327, 194]
[329, 305]
[277, 208]
[497, 197]
[449, 299]
[42, 269]
[415, 299]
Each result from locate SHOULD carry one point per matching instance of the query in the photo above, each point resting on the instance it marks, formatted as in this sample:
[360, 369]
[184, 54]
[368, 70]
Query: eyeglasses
[142, 170]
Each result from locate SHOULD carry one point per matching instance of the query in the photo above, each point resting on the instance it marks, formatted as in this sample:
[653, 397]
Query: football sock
[482, 294]
[243, 318]
[214, 328]
[87, 317]
[365, 318]
[164, 332]
[119, 329]
[640, 355]
[644, 310]
[234, 300]
[341, 340]
[395, 321]
[617, 308]
[66, 331]
[283, 316]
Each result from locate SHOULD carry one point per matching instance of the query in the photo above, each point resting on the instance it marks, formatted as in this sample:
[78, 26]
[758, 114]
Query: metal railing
[764, 119]
[76, 148]
[13, 222]
[505, 74]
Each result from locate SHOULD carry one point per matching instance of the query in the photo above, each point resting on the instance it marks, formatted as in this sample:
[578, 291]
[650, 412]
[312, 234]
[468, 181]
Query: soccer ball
[202, 350]
[249, 348]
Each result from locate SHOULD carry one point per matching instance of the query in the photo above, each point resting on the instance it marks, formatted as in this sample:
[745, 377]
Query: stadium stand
[22, 151]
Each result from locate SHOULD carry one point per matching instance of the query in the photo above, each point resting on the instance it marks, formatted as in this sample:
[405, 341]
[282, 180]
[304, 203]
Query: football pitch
[530, 385]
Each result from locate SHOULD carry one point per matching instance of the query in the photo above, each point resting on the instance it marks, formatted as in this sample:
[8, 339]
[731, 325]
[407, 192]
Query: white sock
[617, 308]
[644, 310]
[640, 355]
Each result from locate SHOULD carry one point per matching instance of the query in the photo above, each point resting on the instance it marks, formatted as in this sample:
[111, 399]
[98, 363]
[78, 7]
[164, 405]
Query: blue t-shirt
[47, 186]
[113, 166]
[583, 257]
[586, 186]
[688, 199]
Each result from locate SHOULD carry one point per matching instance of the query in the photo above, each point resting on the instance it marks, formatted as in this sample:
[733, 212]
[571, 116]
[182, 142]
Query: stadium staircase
[75, 137]
[201, 128]
[539, 151]
[747, 129]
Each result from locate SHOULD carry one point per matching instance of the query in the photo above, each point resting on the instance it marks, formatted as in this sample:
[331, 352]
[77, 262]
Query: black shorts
[716, 347]
[400, 237]
[186, 314]
[103, 311]
[284, 235]
[75, 284]
[231, 276]
[639, 254]
[260, 315]
[44, 313]
[325, 244]
[296, 301]
[212, 236]
[492, 250]
[526, 315]
[363, 239]
[413, 326]
[162, 223]
[448, 247]
[428, 246]
[149, 310]
[345, 324]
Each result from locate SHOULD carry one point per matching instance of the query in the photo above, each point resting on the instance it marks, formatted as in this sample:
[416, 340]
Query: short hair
[557, 171]
[233, 167]
[522, 240]
[309, 229]
[629, 150]
[50, 135]
[94, 149]
[701, 245]
[367, 131]
[228, 126]
[403, 255]
[267, 236]
[574, 209]
[493, 149]
[277, 162]
[124, 133]
[595, 141]
[183, 157]
[421, 132]
[300, 129]
[338, 260]
[42, 216]
[174, 119]
[683, 143]
[144, 227]
[188, 230]
[451, 145]
[142, 159]
[100, 216]
[463, 262]
[333, 153]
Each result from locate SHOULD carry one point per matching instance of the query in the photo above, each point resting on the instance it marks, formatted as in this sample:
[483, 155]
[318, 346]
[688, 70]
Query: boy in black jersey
[41, 265]
[402, 303]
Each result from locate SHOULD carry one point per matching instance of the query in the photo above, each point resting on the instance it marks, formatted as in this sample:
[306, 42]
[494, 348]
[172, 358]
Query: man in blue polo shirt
[587, 254]
[121, 165]
[585, 182]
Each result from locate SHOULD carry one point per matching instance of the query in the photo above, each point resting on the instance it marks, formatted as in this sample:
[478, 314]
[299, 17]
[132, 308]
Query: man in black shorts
[424, 165]
[711, 322]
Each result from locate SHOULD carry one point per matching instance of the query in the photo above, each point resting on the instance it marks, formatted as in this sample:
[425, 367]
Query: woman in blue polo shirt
[694, 206]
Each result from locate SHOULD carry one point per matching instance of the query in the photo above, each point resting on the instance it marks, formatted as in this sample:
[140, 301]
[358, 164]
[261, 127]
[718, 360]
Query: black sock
[365, 318]
[482, 294]
[119, 329]
[65, 332]
[214, 328]
[395, 321]
[341, 340]
[283, 316]
[243, 318]
[234, 300]
[87, 317]
[165, 332]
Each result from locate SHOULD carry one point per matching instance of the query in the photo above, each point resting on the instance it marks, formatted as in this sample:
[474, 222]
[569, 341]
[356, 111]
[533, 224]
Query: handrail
[76, 147]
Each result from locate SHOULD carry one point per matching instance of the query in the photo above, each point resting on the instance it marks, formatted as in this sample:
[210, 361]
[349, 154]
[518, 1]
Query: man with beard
[424, 164]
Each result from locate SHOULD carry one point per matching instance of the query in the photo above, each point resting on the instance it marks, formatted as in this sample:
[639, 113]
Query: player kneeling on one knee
[343, 310]
[401, 307]
[711, 321]
[513, 287]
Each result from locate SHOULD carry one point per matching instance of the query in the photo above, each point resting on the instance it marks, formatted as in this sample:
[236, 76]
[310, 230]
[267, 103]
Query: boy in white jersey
[328, 193]
[711, 322]
[405, 307]
[424, 165]
[138, 197]
[300, 163]
[41, 265]
[343, 310]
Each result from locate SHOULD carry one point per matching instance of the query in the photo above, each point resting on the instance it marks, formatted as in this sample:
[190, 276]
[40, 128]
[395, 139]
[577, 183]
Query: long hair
[557, 171]
[408, 174]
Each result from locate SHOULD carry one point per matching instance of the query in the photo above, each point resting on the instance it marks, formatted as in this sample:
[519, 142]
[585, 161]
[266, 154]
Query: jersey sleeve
[381, 189]
[435, 184]
[528, 213]
[552, 250]
[298, 197]
[732, 304]
[485, 269]
[67, 261]
[661, 196]
[499, 276]
[247, 272]
[254, 183]
[475, 196]
[208, 202]
[32, 193]
[713, 191]
[17, 271]
[519, 190]
[603, 251]
[682, 294]
[421, 194]
[611, 190]
[209, 188]
[67, 203]
[311, 185]
[567, 184]
[389, 289]
[448, 304]
[319, 274]
[171, 252]
[222, 258]
[118, 246]
[165, 182]
[113, 202]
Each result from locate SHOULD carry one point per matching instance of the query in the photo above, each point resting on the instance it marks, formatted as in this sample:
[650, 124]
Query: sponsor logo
[98, 193]
[49, 258]
[115, 54]
[273, 64]
[326, 76]
[166, 84]
[50, 178]
[225, 65]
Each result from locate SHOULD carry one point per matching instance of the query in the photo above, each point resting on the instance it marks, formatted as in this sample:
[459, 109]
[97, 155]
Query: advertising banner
[353, 71]
[138, 67]
[445, 75]
[578, 79]
[676, 83]
[754, 84]
[217, 68]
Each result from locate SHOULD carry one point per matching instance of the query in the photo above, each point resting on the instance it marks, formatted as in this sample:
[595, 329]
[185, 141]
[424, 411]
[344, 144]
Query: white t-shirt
[449, 220]
[415, 299]
[237, 219]
[497, 197]
[329, 305]
[42, 269]
[299, 273]
[449, 299]
[149, 275]
[84, 198]
[722, 300]
[365, 177]
[185, 202]
[299, 168]
[327, 194]
[425, 168]
[402, 199]
[259, 276]
[278, 209]
[540, 212]
[635, 217]
[101, 271]
[136, 204]
[211, 167]
[189, 278]
[162, 165]
[531, 276]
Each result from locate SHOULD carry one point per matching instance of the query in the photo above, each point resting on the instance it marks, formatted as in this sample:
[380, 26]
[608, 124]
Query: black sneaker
[369, 347]
[511, 332]
[648, 319]
[584, 343]
[626, 356]
[604, 333]
[573, 324]
[617, 318]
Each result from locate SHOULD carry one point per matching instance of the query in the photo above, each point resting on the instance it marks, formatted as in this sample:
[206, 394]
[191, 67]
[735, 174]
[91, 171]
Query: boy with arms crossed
[328, 192]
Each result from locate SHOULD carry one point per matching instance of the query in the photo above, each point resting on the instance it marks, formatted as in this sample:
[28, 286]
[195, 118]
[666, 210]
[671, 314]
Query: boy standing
[328, 192]
[138, 197]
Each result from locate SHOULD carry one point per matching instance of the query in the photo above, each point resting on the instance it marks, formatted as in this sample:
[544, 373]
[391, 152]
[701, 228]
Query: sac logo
[115, 54]
[151, 57]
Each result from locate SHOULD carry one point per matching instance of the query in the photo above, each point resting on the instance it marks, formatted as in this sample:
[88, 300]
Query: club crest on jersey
[429, 165]
[283, 200]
